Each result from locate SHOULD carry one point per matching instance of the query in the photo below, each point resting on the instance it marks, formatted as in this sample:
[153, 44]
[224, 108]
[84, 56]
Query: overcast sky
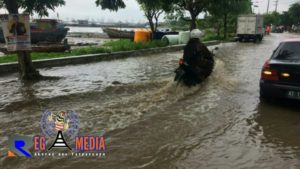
[283, 5]
[86, 9]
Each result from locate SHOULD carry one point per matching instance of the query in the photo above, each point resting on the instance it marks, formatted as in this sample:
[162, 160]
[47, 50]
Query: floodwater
[85, 29]
[149, 122]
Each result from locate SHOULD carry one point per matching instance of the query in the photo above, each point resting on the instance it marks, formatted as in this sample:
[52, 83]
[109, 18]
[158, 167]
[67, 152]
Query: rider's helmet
[196, 34]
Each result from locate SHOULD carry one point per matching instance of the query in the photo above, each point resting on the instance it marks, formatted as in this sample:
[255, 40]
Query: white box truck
[250, 27]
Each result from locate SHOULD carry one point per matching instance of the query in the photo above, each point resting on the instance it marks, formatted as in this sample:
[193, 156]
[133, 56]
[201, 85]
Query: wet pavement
[149, 122]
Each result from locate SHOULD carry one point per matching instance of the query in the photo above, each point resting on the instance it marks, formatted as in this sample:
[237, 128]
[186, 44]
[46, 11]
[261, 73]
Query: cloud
[283, 5]
[79, 9]
[86, 9]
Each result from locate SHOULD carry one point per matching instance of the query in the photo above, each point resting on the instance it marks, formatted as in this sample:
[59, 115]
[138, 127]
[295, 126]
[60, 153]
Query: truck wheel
[255, 40]
[260, 37]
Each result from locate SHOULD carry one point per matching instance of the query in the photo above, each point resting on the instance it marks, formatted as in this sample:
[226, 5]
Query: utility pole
[268, 7]
[276, 5]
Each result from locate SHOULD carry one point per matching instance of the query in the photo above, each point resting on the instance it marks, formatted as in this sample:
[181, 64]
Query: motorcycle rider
[198, 60]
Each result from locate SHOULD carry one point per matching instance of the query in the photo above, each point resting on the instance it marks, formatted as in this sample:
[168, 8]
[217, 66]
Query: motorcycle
[191, 75]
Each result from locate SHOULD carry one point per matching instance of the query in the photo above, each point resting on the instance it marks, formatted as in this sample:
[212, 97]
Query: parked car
[280, 77]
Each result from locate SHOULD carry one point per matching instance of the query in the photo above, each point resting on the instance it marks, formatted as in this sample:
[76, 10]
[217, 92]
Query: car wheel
[264, 96]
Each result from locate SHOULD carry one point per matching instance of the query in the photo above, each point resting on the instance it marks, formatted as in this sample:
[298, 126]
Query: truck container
[250, 27]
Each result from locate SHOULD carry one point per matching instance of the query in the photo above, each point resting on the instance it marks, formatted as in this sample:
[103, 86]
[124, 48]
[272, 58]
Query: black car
[280, 77]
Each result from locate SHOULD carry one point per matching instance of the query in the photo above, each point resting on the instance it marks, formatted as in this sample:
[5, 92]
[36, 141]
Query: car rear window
[288, 51]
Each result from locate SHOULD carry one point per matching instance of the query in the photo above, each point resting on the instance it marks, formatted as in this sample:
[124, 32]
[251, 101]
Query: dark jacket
[195, 51]
[199, 58]
[18, 29]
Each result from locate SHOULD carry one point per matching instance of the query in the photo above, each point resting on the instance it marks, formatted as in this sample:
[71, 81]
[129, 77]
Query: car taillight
[269, 73]
[285, 75]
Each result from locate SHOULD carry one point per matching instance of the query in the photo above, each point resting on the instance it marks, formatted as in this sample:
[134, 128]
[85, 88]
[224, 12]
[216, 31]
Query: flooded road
[149, 122]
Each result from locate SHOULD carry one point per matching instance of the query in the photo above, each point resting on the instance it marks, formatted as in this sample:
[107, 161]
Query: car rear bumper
[269, 89]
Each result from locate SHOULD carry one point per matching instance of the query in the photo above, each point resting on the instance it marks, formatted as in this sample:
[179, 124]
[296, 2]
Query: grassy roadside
[109, 47]
[210, 36]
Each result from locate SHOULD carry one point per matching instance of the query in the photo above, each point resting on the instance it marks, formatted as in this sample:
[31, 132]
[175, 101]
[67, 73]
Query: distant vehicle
[48, 30]
[280, 77]
[250, 27]
[45, 31]
[164, 30]
[279, 29]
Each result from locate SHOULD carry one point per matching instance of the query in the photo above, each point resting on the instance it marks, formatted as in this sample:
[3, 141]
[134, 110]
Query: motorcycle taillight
[181, 61]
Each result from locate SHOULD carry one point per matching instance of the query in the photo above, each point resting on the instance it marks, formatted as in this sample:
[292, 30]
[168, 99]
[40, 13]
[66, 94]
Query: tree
[212, 21]
[272, 19]
[194, 7]
[229, 8]
[31, 6]
[113, 5]
[176, 21]
[286, 19]
[27, 71]
[294, 11]
[152, 10]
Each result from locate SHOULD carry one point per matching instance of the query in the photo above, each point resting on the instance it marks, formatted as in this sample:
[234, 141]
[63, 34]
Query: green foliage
[193, 7]
[127, 45]
[210, 35]
[152, 10]
[229, 7]
[41, 56]
[228, 10]
[273, 18]
[221, 15]
[177, 21]
[216, 8]
[294, 12]
[287, 18]
[113, 5]
[41, 7]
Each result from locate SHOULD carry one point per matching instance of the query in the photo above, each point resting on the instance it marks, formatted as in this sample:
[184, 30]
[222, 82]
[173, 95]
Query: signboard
[16, 31]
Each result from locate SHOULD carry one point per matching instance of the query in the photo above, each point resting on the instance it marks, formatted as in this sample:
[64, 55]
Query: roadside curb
[84, 59]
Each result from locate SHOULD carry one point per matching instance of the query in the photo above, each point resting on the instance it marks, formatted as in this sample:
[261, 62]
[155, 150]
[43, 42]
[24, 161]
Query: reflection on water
[150, 122]
[280, 124]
